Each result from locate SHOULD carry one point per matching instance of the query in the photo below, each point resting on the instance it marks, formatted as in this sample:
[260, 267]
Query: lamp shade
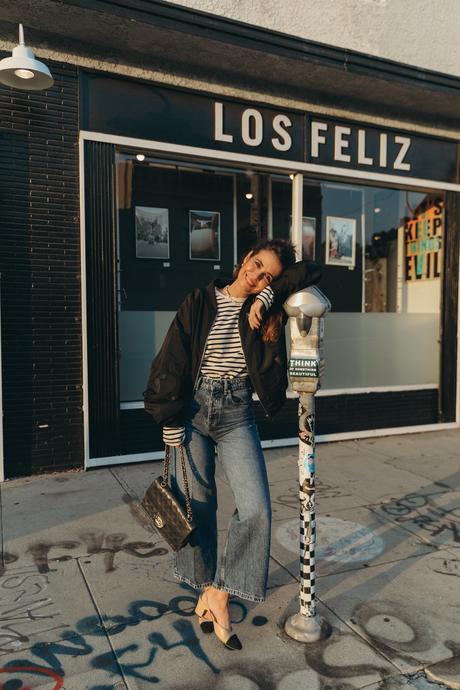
[23, 71]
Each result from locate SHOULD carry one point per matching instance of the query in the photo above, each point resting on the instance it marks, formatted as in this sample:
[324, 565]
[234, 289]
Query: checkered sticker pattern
[307, 564]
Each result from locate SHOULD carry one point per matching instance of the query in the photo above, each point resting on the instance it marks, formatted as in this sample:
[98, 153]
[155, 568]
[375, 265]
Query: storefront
[176, 185]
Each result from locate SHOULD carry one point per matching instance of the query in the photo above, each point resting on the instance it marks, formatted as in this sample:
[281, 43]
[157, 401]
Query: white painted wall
[424, 33]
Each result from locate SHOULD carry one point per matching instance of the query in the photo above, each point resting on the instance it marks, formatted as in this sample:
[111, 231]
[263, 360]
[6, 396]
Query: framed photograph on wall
[340, 241]
[152, 232]
[204, 234]
[308, 237]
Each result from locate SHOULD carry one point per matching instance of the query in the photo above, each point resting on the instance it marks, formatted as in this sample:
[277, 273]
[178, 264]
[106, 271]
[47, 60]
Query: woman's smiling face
[258, 270]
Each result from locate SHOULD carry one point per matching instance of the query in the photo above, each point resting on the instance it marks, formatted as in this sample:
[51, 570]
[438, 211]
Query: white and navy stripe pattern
[173, 435]
[223, 356]
[267, 297]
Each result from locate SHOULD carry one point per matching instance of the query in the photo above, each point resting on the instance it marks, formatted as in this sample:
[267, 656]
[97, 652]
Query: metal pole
[305, 626]
[307, 504]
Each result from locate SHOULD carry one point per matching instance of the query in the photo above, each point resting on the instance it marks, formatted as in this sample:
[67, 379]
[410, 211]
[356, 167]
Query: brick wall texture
[40, 277]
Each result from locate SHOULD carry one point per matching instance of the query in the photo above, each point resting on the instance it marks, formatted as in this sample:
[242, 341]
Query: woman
[226, 341]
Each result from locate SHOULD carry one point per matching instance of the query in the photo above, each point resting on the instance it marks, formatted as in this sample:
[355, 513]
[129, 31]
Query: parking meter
[306, 310]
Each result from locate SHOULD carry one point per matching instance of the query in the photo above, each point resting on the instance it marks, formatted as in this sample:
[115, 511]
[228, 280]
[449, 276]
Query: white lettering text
[340, 143]
[252, 120]
[219, 124]
[283, 142]
[316, 137]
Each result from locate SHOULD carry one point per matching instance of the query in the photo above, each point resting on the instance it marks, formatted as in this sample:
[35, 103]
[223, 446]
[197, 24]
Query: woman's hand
[256, 313]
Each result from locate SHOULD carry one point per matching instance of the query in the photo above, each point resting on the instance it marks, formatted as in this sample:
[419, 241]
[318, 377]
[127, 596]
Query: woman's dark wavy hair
[285, 251]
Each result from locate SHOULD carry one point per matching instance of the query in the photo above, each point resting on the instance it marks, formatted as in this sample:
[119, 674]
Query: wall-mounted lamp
[23, 71]
[249, 195]
[377, 210]
[140, 157]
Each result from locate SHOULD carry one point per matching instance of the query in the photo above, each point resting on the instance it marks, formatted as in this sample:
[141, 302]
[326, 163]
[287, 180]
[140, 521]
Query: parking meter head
[306, 310]
[303, 324]
[307, 303]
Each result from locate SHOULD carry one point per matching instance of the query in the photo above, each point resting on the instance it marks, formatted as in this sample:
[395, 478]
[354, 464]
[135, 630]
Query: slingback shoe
[204, 618]
[225, 635]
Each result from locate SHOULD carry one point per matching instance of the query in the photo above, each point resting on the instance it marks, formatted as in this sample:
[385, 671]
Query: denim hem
[237, 593]
[195, 585]
[223, 588]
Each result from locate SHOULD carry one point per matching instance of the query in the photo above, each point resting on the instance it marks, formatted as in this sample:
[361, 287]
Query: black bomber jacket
[176, 367]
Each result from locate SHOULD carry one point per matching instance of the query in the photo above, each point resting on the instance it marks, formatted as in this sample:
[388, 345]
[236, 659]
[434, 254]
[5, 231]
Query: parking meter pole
[305, 626]
[307, 504]
[306, 309]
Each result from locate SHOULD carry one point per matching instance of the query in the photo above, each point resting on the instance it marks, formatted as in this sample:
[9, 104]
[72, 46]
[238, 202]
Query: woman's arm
[169, 384]
[297, 277]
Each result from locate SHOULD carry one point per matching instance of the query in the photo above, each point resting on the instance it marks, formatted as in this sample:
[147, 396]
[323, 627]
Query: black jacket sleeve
[169, 385]
[297, 277]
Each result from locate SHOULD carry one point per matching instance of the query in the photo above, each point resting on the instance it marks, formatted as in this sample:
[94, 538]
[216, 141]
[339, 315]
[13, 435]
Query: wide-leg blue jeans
[220, 417]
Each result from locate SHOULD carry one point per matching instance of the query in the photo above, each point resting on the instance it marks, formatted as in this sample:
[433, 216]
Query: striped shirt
[223, 356]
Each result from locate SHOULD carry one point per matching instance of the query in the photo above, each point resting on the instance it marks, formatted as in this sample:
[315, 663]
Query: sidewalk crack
[124, 484]
[296, 577]
[358, 634]
[101, 620]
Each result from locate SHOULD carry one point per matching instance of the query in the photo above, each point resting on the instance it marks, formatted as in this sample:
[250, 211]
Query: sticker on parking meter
[307, 367]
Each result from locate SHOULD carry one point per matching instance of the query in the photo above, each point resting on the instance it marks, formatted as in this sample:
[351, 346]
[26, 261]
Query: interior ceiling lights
[23, 71]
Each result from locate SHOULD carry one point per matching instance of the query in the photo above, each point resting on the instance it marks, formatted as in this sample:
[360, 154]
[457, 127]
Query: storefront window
[182, 224]
[382, 255]
[175, 231]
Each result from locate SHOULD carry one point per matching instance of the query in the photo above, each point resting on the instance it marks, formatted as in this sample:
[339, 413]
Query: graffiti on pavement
[25, 609]
[96, 542]
[423, 513]
[323, 490]
[445, 566]
[48, 658]
[339, 540]
[330, 664]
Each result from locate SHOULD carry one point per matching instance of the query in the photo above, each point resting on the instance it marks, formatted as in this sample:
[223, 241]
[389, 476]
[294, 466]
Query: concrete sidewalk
[87, 598]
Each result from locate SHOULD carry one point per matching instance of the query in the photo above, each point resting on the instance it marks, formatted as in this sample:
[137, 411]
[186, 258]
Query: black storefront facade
[168, 178]
[138, 191]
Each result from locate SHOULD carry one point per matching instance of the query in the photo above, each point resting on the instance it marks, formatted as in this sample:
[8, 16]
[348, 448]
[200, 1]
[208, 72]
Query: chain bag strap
[165, 509]
[188, 502]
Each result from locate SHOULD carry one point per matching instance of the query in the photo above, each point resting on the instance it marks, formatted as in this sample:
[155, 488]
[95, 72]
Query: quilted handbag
[167, 515]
